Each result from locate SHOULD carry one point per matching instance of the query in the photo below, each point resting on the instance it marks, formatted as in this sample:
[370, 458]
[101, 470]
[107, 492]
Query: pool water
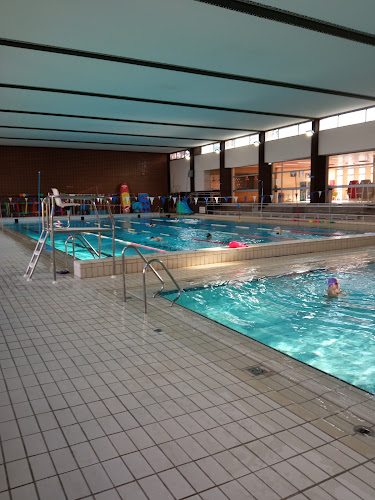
[292, 315]
[181, 234]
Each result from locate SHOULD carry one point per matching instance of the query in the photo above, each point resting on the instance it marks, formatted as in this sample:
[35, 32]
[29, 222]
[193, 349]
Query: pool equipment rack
[148, 264]
[49, 228]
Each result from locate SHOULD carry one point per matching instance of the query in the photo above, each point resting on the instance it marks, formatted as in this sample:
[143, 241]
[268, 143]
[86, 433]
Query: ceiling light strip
[291, 18]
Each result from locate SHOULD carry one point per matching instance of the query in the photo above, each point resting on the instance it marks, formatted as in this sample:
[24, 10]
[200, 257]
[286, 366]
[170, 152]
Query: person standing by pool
[333, 287]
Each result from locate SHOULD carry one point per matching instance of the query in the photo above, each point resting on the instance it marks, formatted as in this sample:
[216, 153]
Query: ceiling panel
[214, 73]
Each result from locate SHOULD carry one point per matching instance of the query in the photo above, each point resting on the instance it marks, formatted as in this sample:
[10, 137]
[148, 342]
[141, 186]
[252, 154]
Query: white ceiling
[124, 96]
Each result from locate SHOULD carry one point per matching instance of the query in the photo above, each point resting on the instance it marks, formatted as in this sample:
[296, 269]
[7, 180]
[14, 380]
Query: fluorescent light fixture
[187, 155]
[309, 133]
[257, 143]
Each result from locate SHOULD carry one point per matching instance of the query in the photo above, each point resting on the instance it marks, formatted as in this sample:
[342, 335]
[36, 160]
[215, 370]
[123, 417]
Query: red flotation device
[237, 244]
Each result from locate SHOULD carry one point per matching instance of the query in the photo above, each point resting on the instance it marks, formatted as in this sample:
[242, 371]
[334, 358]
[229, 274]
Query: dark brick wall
[81, 171]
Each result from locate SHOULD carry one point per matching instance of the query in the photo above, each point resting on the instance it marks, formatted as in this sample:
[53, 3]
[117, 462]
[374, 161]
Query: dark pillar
[169, 173]
[265, 172]
[191, 171]
[225, 174]
[319, 171]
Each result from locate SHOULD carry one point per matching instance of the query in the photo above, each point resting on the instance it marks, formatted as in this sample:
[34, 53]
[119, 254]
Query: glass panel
[207, 149]
[172, 156]
[304, 127]
[330, 122]
[288, 131]
[272, 135]
[352, 118]
[370, 115]
[230, 144]
[254, 138]
[242, 141]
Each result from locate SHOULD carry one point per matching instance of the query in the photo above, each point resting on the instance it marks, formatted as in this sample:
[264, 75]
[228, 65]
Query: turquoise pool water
[181, 234]
[292, 315]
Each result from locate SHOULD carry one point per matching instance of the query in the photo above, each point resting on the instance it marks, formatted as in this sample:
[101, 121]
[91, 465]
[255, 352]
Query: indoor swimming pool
[177, 234]
[293, 315]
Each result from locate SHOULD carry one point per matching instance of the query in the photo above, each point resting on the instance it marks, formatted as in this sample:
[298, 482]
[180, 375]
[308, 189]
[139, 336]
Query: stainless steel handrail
[85, 243]
[145, 260]
[113, 237]
[169, 274]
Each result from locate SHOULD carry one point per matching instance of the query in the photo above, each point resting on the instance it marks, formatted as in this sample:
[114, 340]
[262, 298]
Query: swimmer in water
[208, 236]
[156, 238]
[333, 287]
[151, 225]
[277, 230]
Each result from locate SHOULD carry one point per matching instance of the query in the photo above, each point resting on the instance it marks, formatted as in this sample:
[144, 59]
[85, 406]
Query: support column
[319, 169]
[191, 171]
[265, 172]
[225, 174]
[169, 173]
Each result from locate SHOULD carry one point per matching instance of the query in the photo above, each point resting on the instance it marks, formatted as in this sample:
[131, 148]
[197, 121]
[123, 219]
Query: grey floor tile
[176, 483]
[27, 492]
[18, 473]
[50, 488]
[74, 485]
[137, 465]
[155, 489]
[42, 466]
[117, 471]
[97, 478]
[196, 477]
[63, 460]
[156, 458]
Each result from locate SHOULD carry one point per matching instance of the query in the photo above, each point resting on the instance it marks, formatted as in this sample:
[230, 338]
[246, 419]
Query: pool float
[237, 244]
[125, 198]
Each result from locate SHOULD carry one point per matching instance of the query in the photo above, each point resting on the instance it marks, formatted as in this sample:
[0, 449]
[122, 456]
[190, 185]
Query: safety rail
[169, 274]
[145, 260]
[86, 244]
[148, 264]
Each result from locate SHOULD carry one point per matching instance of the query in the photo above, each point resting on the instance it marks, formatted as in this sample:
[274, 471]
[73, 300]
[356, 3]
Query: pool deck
[99, 401]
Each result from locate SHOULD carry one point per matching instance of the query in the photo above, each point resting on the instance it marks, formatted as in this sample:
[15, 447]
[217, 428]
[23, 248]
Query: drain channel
[256, 370]
[364, 431]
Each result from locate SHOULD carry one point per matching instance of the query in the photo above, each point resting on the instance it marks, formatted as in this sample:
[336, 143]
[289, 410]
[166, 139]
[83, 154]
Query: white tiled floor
[99, 401]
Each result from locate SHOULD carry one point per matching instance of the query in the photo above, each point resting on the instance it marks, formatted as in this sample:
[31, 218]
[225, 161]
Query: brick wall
[81, 171]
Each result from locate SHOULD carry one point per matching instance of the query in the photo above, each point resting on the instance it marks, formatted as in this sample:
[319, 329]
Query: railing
[169, 274]
[145, 260]
[148, 264]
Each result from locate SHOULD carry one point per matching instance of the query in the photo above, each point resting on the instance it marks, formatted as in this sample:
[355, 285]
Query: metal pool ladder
[148, 264]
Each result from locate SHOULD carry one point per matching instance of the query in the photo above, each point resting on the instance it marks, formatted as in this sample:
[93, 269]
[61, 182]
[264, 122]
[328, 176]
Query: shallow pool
[178, 234]
[292, 314]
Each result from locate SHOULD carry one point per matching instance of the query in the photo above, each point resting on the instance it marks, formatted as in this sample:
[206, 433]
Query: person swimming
[151, 225]
[156, 238]
[277, 230]
[333, 287]
[208, 236]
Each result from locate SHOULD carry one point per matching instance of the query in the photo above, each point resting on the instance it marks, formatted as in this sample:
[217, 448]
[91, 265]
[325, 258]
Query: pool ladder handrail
[169, 274]
[86, 244]
[147, 264]
[145, 260]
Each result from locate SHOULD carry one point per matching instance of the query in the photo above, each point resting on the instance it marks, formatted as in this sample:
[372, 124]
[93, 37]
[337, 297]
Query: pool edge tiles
[203, 257]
